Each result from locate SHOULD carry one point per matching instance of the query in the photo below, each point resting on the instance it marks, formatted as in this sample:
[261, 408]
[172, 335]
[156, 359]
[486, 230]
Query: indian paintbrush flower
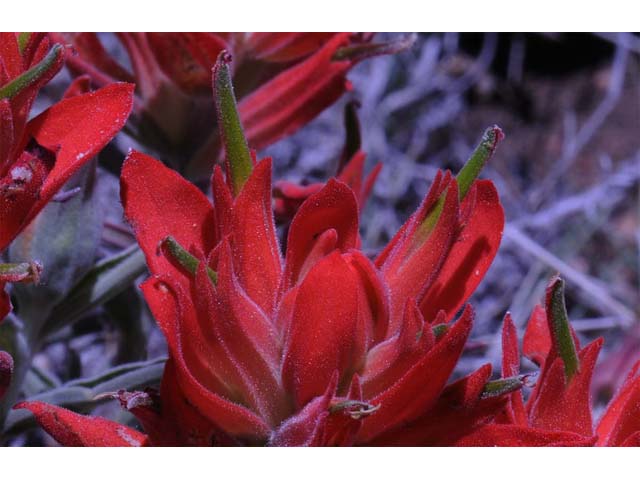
[319, 346]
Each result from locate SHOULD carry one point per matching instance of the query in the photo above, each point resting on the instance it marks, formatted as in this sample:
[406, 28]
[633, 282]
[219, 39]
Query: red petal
[353, 173]
[396, 249]
[158, 202]
[170, 420]
[5, 302]
[333, 207]
[537, 340]
[10, 58]
[243, 335]
[375, 295]
[459, 411]
[78, 86]
[556, 406]
[470, 256]
[521, 436]
[6, 371]
[253, 239]
[73, 430]
[187, 58]
[90, 52]
[620, 423]
[171, 308]
[306, 427]
[285, 46]
[416, 263]
[387, 361]
[64, 129]
[511, 368]
[419, 388]
[294, 97]
[324, 330]
[289, 196]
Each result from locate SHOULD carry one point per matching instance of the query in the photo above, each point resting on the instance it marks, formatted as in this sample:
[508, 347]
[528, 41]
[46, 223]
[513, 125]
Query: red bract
[322, 346]
[289, 196]
[39, 156]
[284, 80]
[558, 411]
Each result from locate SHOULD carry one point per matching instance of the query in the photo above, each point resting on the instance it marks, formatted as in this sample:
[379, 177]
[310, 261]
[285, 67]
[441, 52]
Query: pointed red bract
[332, 208]
[172, 310]
[66, 141]
[511, 368]
[252, 232]
[296, 96]
[73, 430]
[620, 424]
[158, 202]
[556, 405]
[418, 389]
[471, 254]
[324, 335]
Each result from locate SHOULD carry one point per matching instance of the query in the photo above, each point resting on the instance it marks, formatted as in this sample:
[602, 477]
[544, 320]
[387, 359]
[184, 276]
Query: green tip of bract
[467, 175]
[502, 386]
[52, 61]
[187, 261]
[480, 156]
[238, 156]
[559, 328]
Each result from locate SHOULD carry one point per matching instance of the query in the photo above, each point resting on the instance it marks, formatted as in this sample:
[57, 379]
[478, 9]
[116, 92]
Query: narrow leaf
[107, 279]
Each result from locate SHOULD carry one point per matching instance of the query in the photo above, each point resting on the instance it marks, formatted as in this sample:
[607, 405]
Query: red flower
[38, 156]
[558, 411]
[323, 346]
[284, 80]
